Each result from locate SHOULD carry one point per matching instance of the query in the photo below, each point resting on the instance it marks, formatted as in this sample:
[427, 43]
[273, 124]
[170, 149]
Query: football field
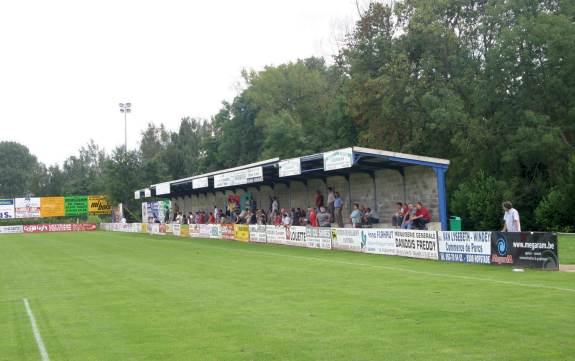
[121, 296]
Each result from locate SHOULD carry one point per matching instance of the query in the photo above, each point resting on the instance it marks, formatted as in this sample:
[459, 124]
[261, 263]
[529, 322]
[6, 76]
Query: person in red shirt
[277, 219]
[212, 219]
[422, 217]
[313, 218]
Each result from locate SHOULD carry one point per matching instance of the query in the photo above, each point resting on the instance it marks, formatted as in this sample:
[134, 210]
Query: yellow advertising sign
[242, 232]
[99, 205]
[144, 227]
[52, 207]
[185, 230]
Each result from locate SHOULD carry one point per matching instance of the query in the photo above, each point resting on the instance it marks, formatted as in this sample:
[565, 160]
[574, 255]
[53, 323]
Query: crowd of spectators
[406, 216]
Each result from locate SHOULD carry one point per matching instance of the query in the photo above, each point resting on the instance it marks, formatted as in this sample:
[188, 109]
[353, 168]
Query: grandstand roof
[319, 165]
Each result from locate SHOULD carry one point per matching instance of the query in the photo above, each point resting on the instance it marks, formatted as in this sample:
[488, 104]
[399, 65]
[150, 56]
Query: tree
[18, 170]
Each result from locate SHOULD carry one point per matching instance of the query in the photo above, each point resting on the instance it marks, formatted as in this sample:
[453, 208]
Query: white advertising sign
[338, 159]
[416, 244]
[194, 230]
[295, 236]
[137, 195]
[176, 229]
[11, 229]
[27, 207]
[6, 208]
[215, 231]
[154, 228]
[244, 176]
[200, 183]
[276, 234]
[379, 241]
[347, 239]
[147, 192]
[205, 230]
[163, 188]
[318, 237]
[467, 247]
[290, 167]
[258, 233]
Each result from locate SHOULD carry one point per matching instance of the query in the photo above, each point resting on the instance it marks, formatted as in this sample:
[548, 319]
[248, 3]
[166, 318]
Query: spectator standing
[318, 200]
[421, 218]
[510, 218]
[275, 205]
[338, 204]
[286, 220]
[330, 202]
[356, 216]
[212, 218]
[277, 219]
[323, 217]
[296, 214]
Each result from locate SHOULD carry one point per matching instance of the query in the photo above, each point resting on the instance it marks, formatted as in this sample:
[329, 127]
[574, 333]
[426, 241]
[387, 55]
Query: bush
[478, 203]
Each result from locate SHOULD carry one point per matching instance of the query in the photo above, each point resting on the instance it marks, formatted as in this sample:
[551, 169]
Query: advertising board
[318, 237]
[466, 247]
[416, 244]
[258, 233]
[525, 249]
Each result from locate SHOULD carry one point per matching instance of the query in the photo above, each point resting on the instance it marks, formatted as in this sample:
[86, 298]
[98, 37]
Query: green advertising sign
[76, 206]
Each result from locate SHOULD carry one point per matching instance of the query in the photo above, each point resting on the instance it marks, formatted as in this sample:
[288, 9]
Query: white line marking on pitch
[398, 269]
[36, 332]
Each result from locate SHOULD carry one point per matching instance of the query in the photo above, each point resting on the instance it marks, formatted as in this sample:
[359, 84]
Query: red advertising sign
[35, 228]
[228, 231]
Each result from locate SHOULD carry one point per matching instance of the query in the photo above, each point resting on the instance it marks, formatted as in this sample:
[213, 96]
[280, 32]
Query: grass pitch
[118, 296]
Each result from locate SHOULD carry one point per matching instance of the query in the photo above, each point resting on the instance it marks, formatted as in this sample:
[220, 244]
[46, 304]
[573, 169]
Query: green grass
[566, 249]
[113, 296]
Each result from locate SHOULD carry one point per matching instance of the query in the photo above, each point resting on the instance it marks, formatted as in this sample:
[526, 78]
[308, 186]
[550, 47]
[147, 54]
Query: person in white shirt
[510, 218]
[286, 220]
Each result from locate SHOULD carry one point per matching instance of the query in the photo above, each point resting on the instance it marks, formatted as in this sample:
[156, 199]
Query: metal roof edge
[401, 155]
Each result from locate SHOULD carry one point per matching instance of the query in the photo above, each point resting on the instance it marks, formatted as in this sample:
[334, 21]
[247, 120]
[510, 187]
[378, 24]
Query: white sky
[65, 65]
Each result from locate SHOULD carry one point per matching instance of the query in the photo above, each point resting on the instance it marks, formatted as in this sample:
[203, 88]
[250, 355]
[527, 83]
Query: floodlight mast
[125, 108]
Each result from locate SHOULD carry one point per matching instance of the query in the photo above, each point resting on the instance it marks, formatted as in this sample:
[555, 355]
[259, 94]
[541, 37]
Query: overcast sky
[65, 65]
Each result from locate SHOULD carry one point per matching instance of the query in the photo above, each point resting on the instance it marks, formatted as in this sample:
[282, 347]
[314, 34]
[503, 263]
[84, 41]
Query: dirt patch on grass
[567, 267]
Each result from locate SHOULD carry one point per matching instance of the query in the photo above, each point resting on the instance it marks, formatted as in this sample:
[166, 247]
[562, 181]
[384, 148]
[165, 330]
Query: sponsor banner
[194, 230]
[176, 229]
[11, 229]
[163, 228]
[163, 188]
[295, 236]
[184, 230]
[52, 207]
[318, 237]
[145, 212]
[147, 193]
[258, 233]
[244, 176]
[290, 167]
[154, 228]
[136, 227]
[169, 228]
[75, 206]
[467, 247]
[35, 228]
[99, 205]
[338, 159]
[347, 239]
[200, 183]
[228, 231]
[242, 232]
[525, 249]
[215, 231]
[7, 209]
[379, 241]
[205, 230]
[276, 234]
[137, 195]
[416, 244]
[27, 207]
[83, 227]
[144, 228]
